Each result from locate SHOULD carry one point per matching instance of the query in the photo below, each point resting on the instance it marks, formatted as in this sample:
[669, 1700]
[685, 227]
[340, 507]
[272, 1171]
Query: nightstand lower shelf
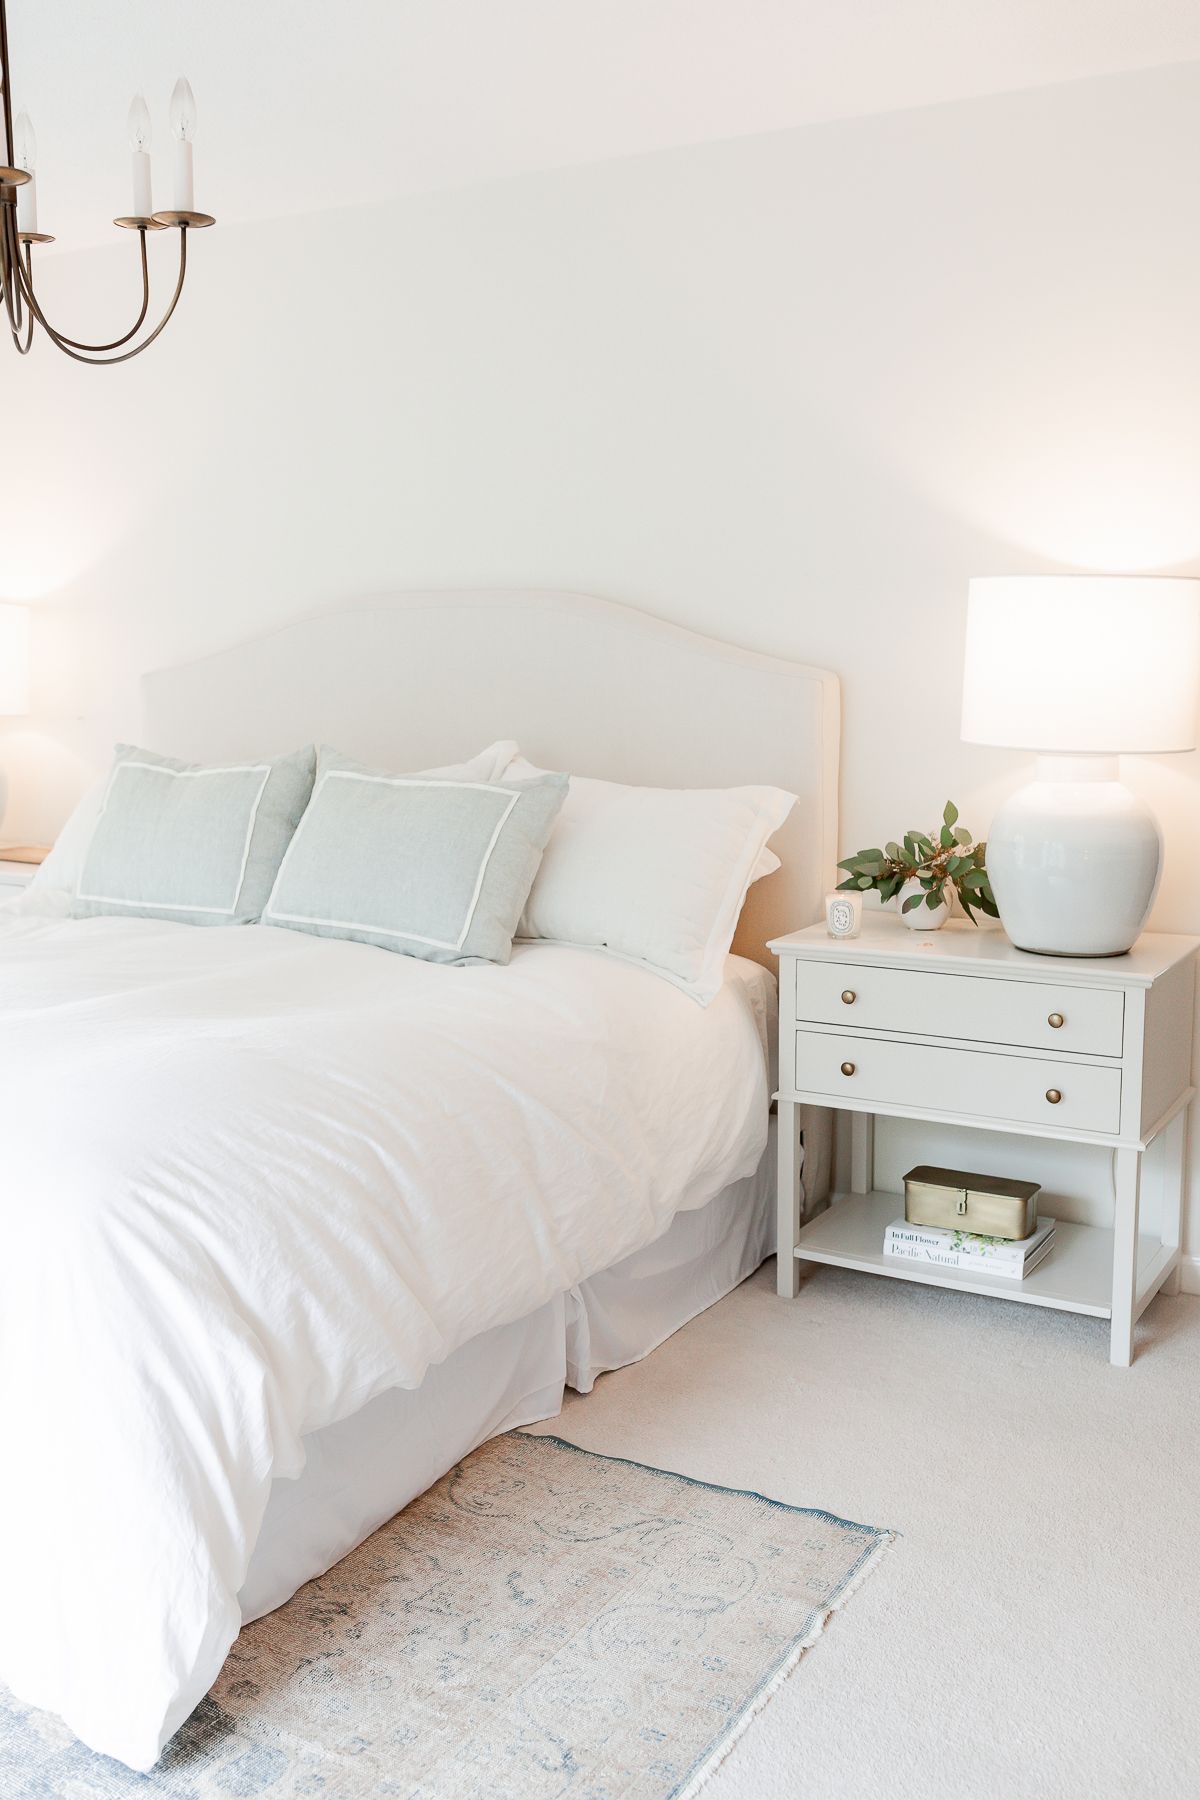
[1076, 1275]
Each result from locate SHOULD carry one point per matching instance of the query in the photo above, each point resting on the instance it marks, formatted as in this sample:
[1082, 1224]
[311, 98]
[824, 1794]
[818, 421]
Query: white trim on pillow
[271, 913]
[183, 774]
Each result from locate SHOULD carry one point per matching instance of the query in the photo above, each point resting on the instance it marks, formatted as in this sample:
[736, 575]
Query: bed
[314, 1220]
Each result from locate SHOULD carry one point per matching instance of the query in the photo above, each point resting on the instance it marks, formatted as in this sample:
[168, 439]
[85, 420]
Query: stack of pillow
[447, 864]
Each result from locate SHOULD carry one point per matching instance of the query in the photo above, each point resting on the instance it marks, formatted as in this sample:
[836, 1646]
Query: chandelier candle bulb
[143, 193]
[183, 127]
[139, 143]
[27, 205]
[26, 153]
[185, 193]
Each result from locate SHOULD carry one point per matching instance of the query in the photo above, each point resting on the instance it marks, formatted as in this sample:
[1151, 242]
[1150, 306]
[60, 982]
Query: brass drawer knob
[847, 1068]
[1056, 1021]
[848, 996]
[1054, 1095]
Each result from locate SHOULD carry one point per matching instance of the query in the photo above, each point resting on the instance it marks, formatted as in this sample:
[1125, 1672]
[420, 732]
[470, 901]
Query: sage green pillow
[428, 865]
[181, 841]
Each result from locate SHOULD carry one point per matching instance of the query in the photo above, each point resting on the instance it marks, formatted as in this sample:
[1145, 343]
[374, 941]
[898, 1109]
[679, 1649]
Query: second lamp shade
[1082, 663]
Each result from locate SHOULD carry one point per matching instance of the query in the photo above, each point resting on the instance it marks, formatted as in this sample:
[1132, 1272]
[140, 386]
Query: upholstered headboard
[583, 684]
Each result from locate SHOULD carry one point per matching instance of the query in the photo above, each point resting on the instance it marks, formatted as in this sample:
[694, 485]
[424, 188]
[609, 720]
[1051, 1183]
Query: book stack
[1012, 1259]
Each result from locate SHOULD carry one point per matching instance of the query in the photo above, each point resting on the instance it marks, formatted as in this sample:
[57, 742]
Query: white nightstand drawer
[959, 1081]
[981, 1009]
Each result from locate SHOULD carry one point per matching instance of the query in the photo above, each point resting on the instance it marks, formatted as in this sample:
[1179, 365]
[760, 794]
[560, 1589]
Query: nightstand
[959, 1028]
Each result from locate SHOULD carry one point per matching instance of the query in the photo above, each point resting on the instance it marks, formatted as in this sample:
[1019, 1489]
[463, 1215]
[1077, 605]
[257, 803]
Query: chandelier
[19, 225]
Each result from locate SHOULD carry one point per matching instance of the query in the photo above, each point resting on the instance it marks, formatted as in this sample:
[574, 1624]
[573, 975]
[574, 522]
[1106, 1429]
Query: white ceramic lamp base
[1075, 860]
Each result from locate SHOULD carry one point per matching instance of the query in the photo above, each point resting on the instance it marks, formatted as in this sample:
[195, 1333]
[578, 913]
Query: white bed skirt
[363, 1470]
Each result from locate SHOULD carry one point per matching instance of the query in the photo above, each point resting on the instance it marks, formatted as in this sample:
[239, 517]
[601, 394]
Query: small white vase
[921, 918]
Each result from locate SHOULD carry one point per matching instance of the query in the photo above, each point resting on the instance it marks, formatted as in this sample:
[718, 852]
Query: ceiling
[303, 107]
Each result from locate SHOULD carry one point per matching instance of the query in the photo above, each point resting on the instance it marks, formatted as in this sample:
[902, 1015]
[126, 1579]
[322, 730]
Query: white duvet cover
[250, 1179]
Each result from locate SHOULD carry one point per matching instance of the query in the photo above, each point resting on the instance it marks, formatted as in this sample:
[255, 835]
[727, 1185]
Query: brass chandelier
[18, 220]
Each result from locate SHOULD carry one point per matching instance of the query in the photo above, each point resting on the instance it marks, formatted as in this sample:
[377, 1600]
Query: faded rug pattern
[543, 1623]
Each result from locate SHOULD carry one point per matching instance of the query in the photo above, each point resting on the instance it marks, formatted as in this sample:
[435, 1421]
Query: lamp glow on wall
[14, 672]
[1081, 669]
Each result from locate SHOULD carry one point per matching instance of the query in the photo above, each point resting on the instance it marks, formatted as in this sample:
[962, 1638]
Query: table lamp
[14, 672]
[1081, 669]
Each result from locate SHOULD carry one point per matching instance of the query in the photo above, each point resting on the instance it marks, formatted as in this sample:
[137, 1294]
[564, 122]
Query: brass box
[960, 1201]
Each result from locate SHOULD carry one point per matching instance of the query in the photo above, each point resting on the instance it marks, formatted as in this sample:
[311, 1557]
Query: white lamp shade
[1082, 663]
[14, 659]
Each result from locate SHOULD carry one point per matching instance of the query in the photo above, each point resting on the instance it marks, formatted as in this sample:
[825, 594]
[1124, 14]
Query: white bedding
[254, 1178]
[361, 1471]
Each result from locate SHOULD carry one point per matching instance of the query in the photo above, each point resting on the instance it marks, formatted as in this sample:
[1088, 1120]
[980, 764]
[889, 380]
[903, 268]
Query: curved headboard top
[583, 684]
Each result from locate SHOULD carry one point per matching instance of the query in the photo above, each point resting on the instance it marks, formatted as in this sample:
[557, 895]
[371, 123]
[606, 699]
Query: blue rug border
[881, 1537]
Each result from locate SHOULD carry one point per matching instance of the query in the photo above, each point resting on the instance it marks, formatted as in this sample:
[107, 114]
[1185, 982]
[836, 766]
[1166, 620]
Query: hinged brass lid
[925, 1175]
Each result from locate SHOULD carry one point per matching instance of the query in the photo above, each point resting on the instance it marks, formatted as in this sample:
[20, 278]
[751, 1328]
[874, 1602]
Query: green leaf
[946, 838]
[950, 816]
[893, 851]
[922, 842]
[865, 881]
[962, 834]
[850, 882]
[933, 899]
[975, 878]
[849, 862]
[913, 900]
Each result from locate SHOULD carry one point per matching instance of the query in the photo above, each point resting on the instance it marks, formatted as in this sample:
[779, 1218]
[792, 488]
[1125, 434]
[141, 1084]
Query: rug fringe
[701, 1776]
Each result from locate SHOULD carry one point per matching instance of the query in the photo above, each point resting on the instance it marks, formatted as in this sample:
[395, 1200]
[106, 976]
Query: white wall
[792, 390]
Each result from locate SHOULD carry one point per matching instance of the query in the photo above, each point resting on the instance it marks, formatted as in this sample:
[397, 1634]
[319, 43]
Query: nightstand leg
[1125, 1243]
[862, 1152]
[1174, 1178]
[787, 1275]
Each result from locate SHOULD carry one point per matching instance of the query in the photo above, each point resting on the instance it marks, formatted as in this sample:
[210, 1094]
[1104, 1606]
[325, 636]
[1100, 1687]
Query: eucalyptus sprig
[948, 859]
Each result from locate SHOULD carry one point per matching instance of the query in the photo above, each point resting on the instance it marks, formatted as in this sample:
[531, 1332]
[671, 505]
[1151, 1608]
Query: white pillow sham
[63, 868]
[656, 876]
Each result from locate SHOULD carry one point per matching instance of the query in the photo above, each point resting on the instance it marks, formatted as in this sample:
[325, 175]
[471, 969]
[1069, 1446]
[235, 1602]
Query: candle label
[843, 915]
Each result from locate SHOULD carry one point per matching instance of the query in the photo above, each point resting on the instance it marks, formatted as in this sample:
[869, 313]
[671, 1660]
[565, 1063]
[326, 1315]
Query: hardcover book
[968, 1249]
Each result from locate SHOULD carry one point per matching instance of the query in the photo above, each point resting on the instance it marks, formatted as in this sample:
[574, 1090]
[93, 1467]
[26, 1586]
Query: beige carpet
[1035, 1635]
[544, 1622]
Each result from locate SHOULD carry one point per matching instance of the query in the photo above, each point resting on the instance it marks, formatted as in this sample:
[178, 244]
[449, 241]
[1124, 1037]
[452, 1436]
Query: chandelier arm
[98, 349]
[24, 348]
[99, 361]
[11, 285]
